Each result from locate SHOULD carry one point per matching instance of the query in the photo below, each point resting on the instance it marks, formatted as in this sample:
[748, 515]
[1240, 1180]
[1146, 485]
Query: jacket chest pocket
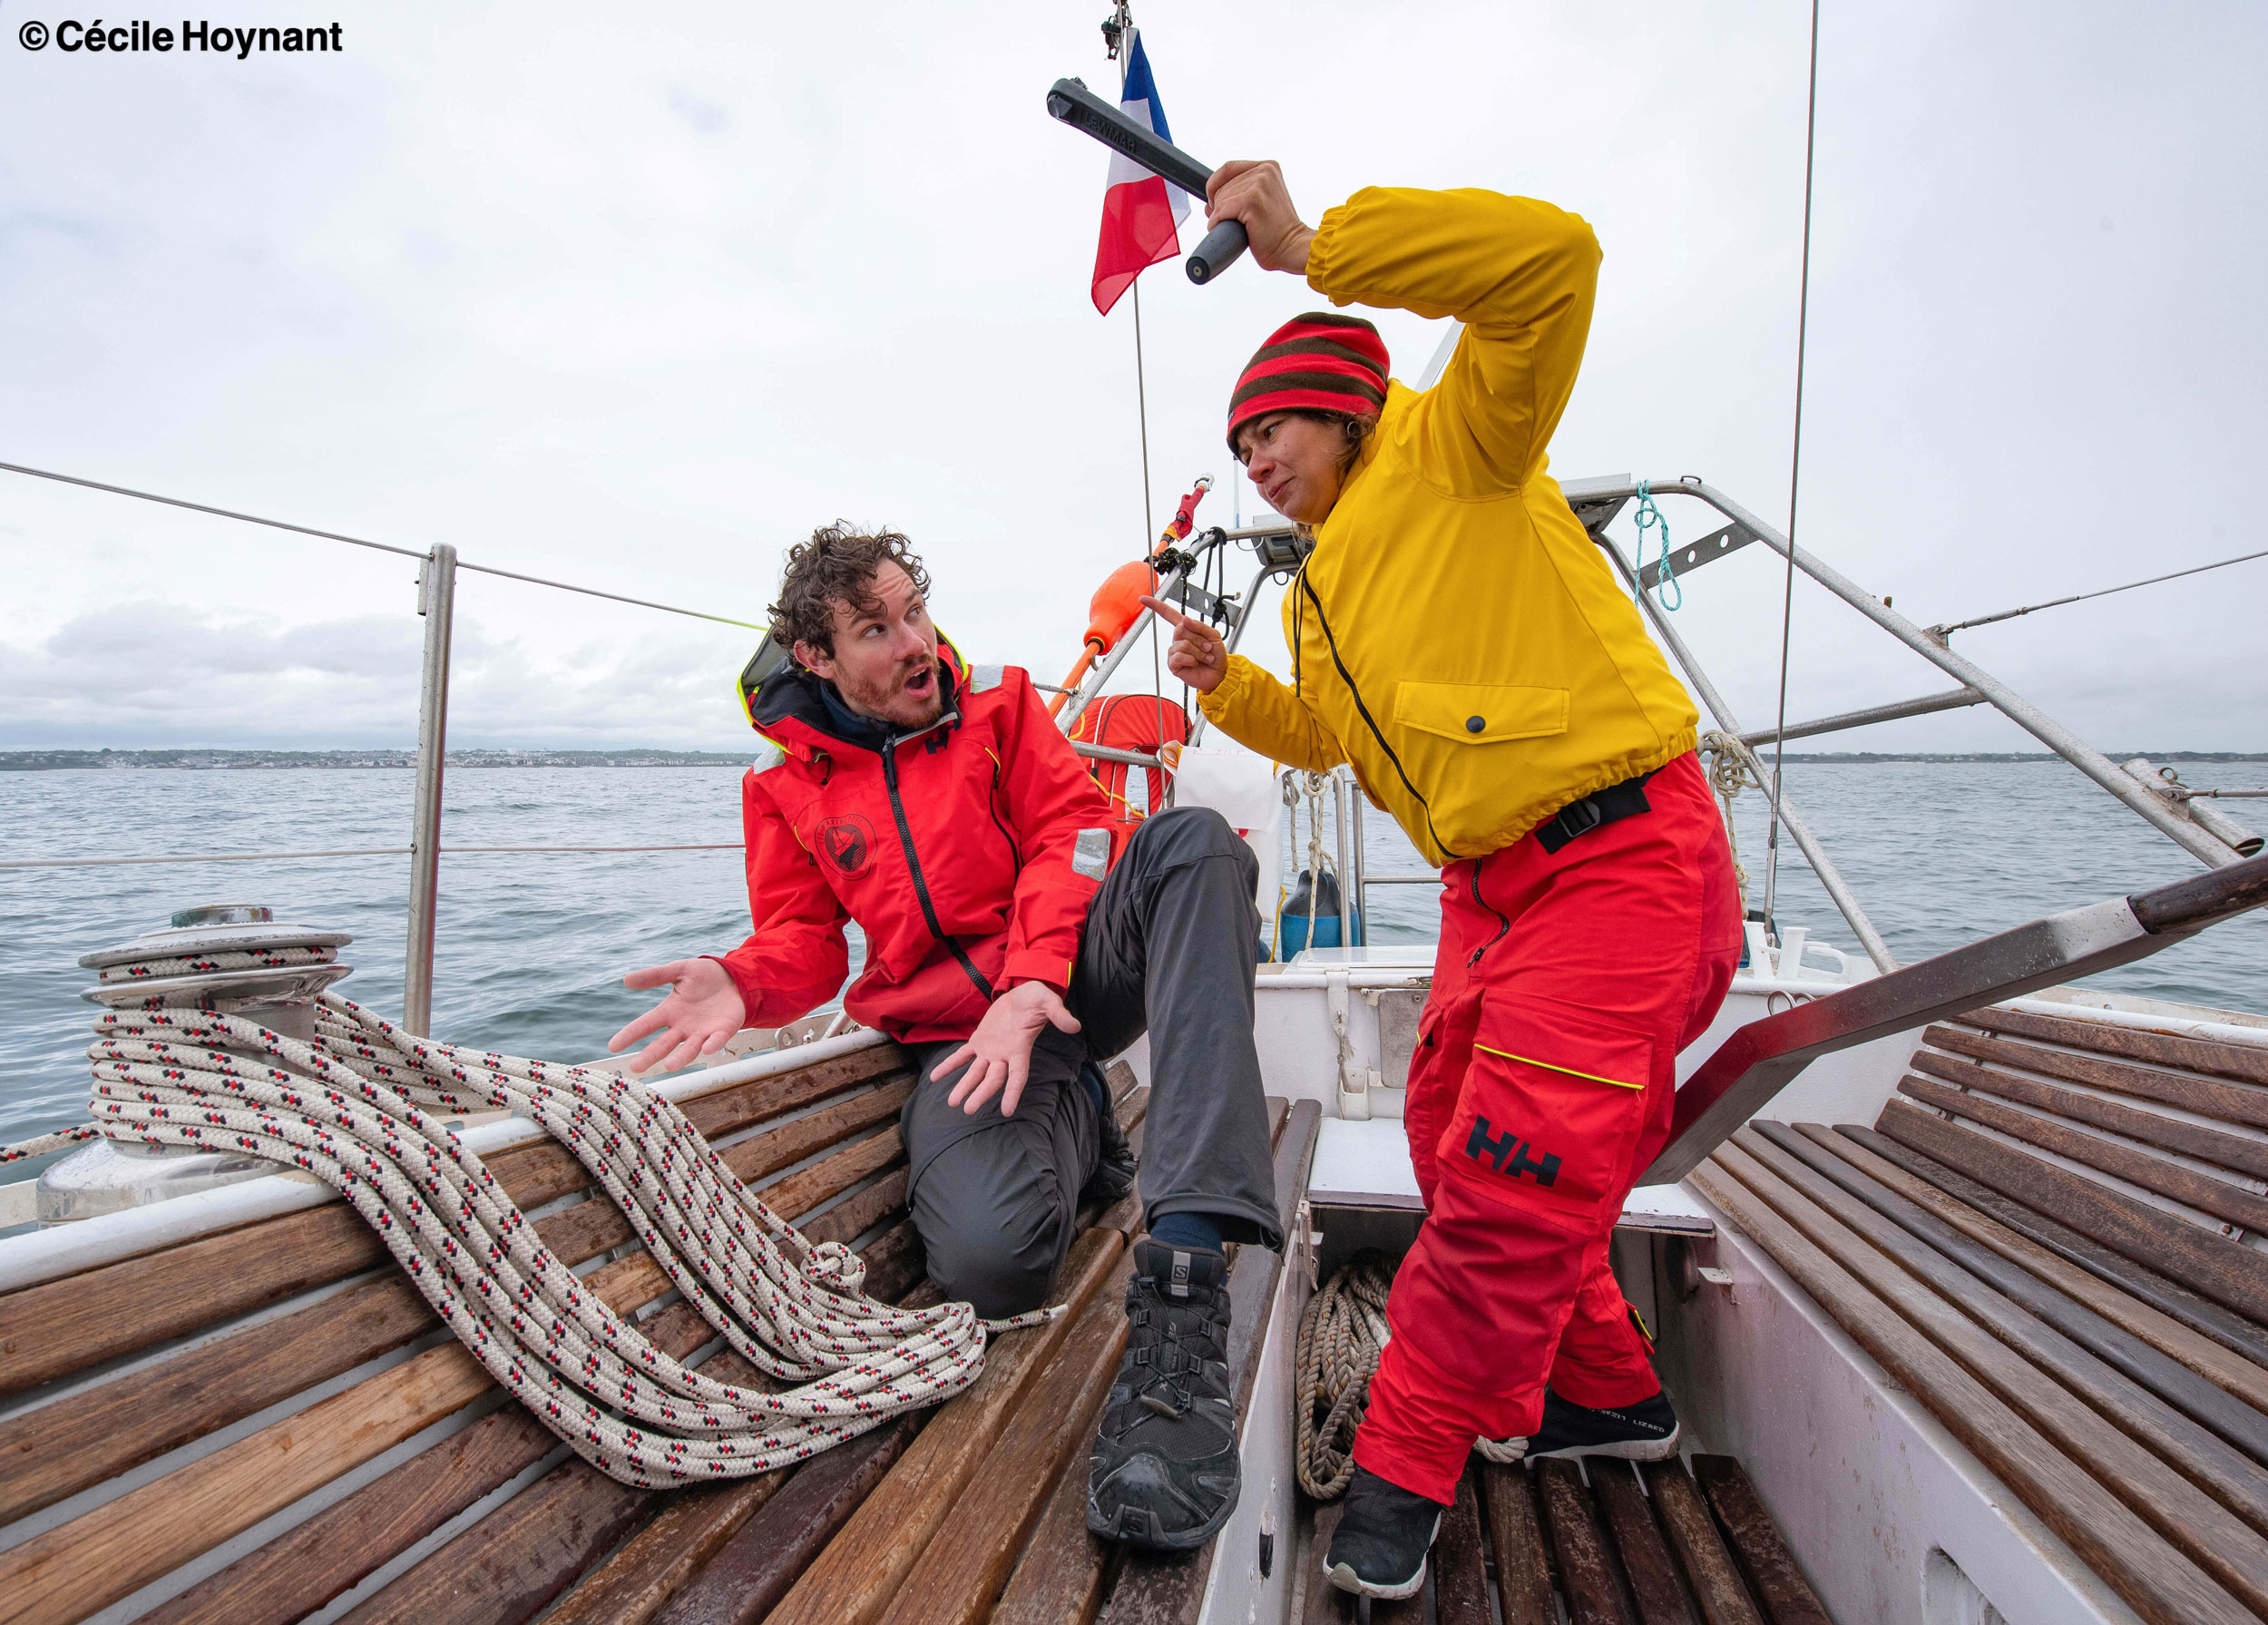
[1480, 713]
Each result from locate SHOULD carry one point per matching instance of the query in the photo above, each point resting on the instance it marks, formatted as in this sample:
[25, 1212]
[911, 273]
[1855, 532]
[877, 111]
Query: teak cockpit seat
[250, 1426]
[2044, 1239]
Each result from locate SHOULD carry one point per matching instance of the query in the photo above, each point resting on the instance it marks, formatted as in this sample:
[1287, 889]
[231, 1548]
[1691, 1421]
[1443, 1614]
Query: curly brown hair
[837, 565]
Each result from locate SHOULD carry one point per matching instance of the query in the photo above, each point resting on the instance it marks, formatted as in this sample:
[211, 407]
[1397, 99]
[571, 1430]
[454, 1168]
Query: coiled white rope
[352, 1109]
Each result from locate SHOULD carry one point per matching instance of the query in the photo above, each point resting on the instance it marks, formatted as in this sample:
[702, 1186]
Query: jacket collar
[792, 711]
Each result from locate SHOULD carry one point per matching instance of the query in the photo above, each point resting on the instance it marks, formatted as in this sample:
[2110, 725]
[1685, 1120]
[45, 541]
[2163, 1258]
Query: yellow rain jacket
[1455, 634]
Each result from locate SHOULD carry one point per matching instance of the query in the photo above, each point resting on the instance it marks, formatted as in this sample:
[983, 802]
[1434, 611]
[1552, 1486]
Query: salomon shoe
[1114, 1169]
[1644, 1432]
[1165, 1473]
[1379, 1548]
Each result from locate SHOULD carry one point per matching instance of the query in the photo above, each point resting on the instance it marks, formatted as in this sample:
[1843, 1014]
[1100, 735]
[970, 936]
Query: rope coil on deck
[354, 1106]
[1341, 1336]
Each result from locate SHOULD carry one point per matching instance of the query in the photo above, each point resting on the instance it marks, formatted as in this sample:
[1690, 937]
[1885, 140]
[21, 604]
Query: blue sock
[1187, 1231]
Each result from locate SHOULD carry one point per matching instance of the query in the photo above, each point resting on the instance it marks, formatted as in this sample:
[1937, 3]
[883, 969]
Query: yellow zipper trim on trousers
[1570, 1072]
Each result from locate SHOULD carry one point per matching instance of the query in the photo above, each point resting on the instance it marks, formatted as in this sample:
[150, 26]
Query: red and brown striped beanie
[1322, 361]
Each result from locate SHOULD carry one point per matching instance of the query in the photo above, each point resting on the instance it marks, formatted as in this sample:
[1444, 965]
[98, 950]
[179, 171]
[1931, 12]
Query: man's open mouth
[919, 683]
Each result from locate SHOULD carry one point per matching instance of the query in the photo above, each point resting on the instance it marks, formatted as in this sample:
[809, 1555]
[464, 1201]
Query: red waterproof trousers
[1541, 1088]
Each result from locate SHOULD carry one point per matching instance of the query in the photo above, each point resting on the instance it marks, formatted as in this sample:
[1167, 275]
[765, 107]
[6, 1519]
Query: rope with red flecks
[354, 1108]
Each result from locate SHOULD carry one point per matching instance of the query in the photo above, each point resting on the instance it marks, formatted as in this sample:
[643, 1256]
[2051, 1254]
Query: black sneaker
[1379, 1548]
[1644, 1432]
[1114, 1169]
[1165, 1475]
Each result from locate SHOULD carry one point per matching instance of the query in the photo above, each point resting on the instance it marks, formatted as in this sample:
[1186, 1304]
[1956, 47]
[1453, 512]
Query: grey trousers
[1167, 949]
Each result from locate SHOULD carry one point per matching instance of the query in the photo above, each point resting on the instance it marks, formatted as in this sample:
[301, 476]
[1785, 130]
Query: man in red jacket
[937, 806]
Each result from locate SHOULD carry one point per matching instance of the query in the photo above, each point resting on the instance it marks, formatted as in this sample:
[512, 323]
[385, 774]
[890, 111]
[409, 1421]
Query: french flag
[1141, 214]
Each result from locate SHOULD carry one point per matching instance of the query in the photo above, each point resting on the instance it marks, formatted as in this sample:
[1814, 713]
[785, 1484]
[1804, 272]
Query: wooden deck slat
[1324, 1603]
[100, 1556]
[957, 1579]
[1657, 1587]
[60, 1326]
[304, 1568]
[2219, 1060]
[807, 1188]
[762, 1155]
[755, 1566]
[851, 1219]
[1063, 1570]
[2232, 1152]
[1523, 1566]
[1757, 1542]
[2219, 1197]
[2039, 1387]
[506, 1566]
[2225, 1369]
[512, 1562]
[1460, 1580]
[1709, 1571]
[2201, 1424]
[1153, 1589]
[2208, 1097]
[1587, 1570]
[60, 1449]
[2160, 1584]
[2159, 1290]
[637, 1580]
[2225, 1271]
[730, 1111]
[853, 1579]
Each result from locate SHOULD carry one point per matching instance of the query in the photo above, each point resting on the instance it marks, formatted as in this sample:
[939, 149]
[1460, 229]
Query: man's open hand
[999, 1052]
[1199, 655]
[703, 1010]
[1255, 193]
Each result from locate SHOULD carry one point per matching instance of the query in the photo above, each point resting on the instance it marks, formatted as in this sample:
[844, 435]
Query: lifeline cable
[2053, 604]
[1795, 473]
[354, 1108]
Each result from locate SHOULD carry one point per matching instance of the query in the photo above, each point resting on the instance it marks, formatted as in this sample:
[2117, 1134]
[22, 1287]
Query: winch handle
[1072, 103]
[1219, 251]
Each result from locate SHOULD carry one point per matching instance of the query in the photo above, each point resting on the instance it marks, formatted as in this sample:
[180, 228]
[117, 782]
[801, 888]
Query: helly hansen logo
[1509, 1154]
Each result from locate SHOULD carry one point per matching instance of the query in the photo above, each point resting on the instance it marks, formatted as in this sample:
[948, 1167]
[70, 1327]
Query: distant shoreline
[33, 761]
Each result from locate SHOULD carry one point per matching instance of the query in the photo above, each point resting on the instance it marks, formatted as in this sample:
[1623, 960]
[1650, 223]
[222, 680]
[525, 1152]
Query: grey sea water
[530, 949]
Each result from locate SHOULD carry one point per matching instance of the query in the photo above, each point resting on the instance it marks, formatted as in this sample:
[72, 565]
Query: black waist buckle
[1617, 801]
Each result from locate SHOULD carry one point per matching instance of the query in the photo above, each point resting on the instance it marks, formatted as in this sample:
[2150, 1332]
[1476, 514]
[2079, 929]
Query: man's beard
[896, 704]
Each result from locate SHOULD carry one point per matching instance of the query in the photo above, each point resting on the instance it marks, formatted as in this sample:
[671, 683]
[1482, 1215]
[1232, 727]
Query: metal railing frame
[2020, 710]
[436, 601]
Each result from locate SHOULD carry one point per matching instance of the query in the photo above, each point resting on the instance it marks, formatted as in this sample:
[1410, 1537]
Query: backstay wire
[1795, 476]
[1141, 406]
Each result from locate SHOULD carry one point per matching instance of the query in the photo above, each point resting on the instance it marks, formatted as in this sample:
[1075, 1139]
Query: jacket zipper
[914, 862]
[1504, 920]
[1348, 677]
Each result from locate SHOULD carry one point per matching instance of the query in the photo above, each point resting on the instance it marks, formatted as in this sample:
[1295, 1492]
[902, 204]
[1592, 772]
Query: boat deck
[269, 1422]
[1602, 1544]
[2043, 1240]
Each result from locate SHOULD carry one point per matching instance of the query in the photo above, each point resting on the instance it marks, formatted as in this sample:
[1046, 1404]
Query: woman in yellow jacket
[1458, 638]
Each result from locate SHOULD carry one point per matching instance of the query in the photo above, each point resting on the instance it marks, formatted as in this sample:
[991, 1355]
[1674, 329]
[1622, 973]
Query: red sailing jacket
[967, 852]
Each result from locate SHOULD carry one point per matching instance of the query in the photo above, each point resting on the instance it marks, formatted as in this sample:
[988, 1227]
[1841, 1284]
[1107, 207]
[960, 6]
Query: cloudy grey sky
[635, 298]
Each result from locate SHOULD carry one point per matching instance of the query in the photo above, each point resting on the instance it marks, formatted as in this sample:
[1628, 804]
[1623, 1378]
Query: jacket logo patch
[1510, 1155]
[848, 841]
